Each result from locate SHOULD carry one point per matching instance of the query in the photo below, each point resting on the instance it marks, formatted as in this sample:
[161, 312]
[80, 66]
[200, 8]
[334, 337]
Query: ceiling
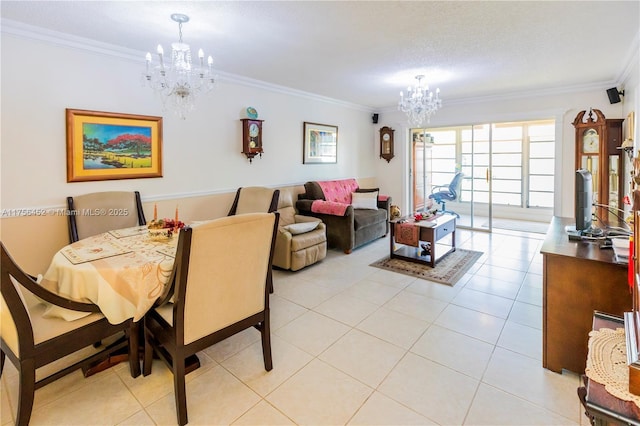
[365, 52]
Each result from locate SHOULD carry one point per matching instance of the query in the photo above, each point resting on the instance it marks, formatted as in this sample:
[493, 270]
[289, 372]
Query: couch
[353, 216]
[301, 240]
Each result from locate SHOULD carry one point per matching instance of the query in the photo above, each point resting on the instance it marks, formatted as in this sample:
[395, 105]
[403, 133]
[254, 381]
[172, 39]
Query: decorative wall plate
[252, 113]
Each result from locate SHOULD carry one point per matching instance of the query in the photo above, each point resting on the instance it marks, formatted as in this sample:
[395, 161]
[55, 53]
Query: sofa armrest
[303, 206]
[385, 204]
[367, 189]
[320, 208]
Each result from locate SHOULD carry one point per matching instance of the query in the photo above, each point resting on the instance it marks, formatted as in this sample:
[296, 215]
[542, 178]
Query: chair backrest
[15, 322]
[98, 212]
[14, 315]
[255, 199]
[286, 207]
[222, 273]
[454, 186]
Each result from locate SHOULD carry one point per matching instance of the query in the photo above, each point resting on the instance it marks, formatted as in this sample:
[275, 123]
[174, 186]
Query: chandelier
[179, 82]
[420, 103]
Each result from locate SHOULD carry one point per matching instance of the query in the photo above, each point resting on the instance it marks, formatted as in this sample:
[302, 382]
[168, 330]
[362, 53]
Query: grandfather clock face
[590, 142]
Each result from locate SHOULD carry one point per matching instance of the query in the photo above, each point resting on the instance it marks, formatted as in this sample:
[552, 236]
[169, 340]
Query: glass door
[421, 163]
[508, 172]
[476, 162]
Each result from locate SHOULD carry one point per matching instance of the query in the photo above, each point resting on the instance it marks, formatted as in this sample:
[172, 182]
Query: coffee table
[431, 231]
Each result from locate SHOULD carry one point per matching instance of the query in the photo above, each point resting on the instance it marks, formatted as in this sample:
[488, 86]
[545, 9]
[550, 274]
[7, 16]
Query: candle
[176, 215]
[155, 212]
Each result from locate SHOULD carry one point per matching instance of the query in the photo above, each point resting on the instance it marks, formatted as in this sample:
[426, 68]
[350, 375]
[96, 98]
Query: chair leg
[1, 362]
[26, 391]
[134, 349]
[180, 389]
[265, 331]
[147, 360]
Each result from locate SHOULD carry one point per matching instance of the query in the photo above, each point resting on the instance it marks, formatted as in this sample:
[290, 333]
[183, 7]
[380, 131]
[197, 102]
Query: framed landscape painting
[320, 144]
[106, 145]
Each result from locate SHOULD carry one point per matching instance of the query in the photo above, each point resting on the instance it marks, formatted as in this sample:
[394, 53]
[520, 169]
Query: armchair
[109, 210]
[254, 199]
[301, 240]
[221, 288]
[31, 341]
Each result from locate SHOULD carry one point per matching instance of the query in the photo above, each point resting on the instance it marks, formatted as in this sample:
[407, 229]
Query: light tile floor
[353, 344]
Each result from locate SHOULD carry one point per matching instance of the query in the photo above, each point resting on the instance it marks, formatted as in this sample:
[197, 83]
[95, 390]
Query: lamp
[179, 82]
[420, 103]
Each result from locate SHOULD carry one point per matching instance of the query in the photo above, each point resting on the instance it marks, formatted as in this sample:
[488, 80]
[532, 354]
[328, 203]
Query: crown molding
[30, 32]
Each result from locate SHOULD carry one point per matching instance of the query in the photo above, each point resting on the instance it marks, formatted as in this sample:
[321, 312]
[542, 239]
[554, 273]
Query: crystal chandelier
[179, 82]
[420, 103]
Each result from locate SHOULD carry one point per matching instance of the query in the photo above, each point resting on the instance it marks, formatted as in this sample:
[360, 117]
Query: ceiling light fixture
[420, 103]
[179, 82]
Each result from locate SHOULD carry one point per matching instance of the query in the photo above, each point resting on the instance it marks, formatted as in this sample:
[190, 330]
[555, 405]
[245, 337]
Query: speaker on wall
[614, 95]
[374, 118]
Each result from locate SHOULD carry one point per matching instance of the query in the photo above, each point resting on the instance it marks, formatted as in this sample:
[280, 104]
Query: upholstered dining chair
[254, 199]
[31, 341]
[99, 212]
[221, 288]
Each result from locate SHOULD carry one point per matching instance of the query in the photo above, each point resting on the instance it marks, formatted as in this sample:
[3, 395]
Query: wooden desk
[578, 279]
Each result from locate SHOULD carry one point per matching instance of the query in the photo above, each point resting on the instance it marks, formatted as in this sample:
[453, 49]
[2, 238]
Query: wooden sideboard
[578, 279]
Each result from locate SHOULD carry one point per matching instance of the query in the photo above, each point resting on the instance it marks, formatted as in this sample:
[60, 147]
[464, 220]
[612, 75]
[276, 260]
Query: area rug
[447, 271]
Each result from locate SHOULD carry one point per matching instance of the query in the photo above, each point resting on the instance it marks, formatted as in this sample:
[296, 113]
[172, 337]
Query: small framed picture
[107, 145]
[320, 144]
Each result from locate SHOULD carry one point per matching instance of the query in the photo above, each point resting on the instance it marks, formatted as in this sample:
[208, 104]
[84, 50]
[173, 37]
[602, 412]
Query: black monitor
[584, 204]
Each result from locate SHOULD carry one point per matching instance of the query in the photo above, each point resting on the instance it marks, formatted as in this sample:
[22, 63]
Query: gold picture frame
[320, 144]
[107, 145]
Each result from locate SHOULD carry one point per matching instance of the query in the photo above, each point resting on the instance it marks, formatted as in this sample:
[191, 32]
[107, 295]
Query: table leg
[432, 241]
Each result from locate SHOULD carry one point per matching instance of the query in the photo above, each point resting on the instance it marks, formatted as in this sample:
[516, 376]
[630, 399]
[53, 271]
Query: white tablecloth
[123, 272]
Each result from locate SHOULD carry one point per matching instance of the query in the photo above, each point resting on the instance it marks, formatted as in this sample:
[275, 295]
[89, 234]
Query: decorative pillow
[301, 228]
[364, 200]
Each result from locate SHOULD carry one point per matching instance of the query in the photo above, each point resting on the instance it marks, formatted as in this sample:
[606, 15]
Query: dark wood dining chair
[31, 341]
[221, 288]
[254, 199]
[98, 212]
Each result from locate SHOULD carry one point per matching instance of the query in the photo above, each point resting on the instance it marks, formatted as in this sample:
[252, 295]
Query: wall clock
[386, 143]
[251, 137]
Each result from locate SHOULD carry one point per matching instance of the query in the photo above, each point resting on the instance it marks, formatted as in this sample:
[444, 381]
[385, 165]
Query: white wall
[201, 154]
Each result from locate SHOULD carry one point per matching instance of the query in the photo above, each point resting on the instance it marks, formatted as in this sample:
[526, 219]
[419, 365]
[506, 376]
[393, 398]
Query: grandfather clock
[598, 141]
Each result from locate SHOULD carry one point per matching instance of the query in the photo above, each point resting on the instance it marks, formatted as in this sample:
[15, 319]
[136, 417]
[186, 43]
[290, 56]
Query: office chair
[450, 192]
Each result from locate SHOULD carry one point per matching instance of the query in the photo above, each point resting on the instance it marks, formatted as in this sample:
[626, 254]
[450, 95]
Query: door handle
[487, 173]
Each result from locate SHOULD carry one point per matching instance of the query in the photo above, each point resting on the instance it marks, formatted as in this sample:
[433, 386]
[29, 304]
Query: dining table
[122, 271]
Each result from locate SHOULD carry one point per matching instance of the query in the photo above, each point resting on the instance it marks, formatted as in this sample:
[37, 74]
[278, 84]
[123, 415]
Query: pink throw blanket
[329, 207]
[338, 190]
[407, 233]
